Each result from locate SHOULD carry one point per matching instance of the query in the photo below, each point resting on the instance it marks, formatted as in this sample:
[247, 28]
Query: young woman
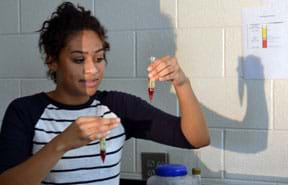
[53, 137]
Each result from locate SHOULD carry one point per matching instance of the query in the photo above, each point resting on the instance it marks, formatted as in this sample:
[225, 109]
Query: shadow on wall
[256, 117]
[162, 44]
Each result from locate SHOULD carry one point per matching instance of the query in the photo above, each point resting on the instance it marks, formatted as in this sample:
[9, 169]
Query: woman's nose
[90, 67]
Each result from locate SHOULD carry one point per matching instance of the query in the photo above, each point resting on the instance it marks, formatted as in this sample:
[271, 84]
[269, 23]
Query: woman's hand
[167, 69]
[193, 124]
[86, 129]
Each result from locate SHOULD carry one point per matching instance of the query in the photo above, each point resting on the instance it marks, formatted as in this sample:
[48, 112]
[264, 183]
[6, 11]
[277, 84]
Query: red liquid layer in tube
[103, 155]
[150, 93]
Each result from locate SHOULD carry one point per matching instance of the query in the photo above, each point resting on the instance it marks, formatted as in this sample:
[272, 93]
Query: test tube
[103, 148]
[151, 83]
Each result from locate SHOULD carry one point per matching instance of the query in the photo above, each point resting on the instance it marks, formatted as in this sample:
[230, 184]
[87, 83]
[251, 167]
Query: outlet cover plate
[150, 162]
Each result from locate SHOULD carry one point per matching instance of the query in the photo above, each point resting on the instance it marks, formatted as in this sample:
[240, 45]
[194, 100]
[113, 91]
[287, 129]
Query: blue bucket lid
[171, 170]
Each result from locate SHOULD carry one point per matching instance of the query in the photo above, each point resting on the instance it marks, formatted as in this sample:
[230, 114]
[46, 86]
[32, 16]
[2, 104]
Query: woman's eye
[98, 60]
[78, 60]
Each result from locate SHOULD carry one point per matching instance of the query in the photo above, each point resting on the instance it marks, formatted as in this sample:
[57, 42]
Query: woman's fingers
[163, 69]
[167, 68]
[86, 119]
[96, 127]
[168, 77]
[102, 128]
[95, 136]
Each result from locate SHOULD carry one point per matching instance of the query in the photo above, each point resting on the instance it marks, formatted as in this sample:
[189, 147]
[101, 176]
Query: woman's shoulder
[32, 102]
[28, 107]
[29, 98]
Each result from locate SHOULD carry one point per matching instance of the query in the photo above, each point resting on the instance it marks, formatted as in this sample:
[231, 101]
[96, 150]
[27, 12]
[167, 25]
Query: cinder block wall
[247, 118]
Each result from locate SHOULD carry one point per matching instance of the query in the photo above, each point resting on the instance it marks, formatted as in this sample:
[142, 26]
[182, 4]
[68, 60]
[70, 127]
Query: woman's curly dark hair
[63, 23]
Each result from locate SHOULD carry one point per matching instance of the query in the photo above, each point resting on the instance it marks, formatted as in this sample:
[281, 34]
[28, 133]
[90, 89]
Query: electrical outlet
[150, 161]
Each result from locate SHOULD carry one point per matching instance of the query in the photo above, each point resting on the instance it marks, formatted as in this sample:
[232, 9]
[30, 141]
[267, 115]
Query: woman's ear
[52, 64]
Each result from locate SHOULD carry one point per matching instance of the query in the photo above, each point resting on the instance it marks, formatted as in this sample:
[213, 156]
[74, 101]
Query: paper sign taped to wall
[265, 41]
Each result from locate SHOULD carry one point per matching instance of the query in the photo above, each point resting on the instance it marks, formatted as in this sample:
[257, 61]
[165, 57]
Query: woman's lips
[90, 83]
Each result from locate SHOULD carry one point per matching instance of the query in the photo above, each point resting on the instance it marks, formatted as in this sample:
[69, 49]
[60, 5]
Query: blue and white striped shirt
[31, 122]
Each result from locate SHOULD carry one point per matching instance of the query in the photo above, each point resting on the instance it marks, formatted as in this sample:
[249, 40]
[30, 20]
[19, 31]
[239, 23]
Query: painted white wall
[247, 118]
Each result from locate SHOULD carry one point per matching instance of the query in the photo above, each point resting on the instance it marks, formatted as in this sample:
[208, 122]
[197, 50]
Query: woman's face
[81, 65]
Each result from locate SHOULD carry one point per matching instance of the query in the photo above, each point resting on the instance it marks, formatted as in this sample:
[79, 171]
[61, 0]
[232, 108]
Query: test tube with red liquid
[103, 148]
[151, 83]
